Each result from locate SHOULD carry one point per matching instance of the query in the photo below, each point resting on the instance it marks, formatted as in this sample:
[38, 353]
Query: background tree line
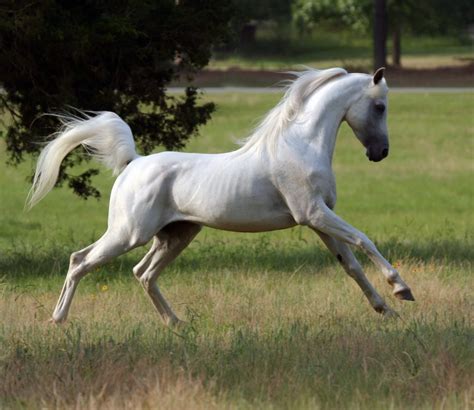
[380, 18]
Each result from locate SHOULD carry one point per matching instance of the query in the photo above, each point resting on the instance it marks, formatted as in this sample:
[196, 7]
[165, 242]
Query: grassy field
[274, 322]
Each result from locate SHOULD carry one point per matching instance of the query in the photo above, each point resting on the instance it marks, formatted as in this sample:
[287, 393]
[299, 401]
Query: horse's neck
[318, 124]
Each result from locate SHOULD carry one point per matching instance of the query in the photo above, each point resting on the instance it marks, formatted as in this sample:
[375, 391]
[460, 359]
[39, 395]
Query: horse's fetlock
[392, 277]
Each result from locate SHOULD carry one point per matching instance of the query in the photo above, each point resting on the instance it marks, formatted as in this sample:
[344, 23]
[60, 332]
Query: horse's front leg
[350, 264]
[325, 220]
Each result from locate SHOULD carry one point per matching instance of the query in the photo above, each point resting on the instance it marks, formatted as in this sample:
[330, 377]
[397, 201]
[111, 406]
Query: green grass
[274, 321]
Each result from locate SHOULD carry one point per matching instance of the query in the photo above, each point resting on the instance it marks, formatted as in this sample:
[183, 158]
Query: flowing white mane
[298, 90]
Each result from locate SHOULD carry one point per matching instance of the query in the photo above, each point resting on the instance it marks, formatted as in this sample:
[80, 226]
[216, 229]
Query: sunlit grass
[286, 339]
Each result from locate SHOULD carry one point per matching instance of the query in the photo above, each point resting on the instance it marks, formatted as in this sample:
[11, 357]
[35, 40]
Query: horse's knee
[354, 268]
[351, 265]
[76, 272]
[366, 245]
[76, 265]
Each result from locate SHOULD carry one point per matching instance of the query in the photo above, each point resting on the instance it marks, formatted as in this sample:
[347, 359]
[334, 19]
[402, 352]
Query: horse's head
[368, 118]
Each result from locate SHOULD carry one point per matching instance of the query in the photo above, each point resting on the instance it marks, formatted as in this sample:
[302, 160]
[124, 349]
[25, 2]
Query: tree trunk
[380, 33]
[248, 34]
[396, 46]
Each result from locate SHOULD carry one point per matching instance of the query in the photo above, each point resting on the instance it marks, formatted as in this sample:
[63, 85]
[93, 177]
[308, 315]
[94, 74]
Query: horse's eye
[380, 107]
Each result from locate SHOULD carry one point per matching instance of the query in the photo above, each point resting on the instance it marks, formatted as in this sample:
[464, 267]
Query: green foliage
[307, 15]
[105, 55]
[415, 16]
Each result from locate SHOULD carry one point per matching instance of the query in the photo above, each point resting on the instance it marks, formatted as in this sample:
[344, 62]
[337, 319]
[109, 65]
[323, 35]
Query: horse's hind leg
[82, 262]
[350, 264]
[167, 245]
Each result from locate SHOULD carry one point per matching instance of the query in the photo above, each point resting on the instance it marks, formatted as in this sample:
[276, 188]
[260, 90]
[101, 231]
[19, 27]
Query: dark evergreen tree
[115, 55]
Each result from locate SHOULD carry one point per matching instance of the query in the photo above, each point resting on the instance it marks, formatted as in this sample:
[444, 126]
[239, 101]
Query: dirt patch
[460, 76]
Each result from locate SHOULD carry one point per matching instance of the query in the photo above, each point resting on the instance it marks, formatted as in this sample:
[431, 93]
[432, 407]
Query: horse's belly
[249, 224]
[230, 196]
[244, 213]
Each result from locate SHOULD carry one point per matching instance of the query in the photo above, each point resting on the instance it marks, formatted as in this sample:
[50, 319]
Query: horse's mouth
[377, 156]
[374, 158]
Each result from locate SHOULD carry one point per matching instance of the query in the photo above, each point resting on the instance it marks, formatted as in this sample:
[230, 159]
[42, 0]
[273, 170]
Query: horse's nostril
[385, 152]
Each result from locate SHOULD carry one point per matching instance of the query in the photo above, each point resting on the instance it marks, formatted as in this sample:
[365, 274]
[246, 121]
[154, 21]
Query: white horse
[279, 178]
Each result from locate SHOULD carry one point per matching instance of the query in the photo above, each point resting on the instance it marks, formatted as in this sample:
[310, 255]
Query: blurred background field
[323, 49]
[427, 61]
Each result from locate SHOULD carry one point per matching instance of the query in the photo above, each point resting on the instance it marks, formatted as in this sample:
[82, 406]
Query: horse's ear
[378, 75]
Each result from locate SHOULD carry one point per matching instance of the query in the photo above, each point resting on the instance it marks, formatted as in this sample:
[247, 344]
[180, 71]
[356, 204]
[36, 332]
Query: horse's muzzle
[377, 153]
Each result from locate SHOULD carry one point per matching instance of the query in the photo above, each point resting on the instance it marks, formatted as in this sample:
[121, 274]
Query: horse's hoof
[57, 321]
[404, 294]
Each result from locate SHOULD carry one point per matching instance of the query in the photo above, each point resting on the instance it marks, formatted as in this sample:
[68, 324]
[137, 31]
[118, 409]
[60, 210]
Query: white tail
[106, 136]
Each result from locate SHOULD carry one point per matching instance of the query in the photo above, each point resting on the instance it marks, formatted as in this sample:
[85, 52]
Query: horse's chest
[316, 184]
[303, 188]
[323, 184]
[330, 198]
